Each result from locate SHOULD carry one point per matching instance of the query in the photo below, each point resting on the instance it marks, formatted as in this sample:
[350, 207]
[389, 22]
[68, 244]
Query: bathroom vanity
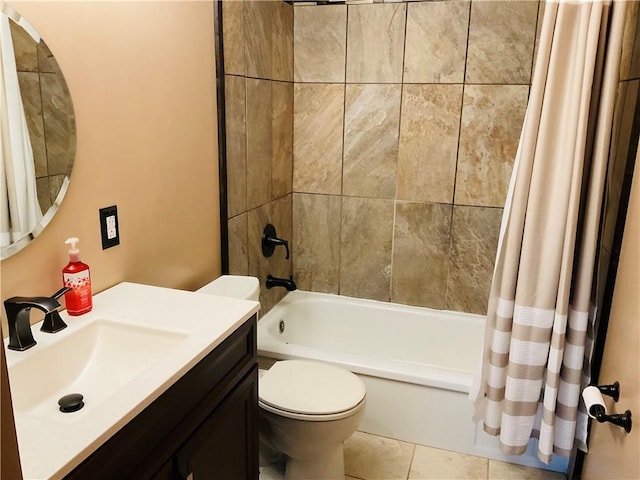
[170, 386]
[205, 425]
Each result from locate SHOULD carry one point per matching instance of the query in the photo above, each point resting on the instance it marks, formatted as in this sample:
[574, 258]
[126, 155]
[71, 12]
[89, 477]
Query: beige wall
[142, 78]
[612, 452]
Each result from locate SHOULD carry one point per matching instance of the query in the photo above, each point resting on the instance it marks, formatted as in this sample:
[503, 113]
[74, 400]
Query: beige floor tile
[508, 471]
[432, 463]
[376, 458]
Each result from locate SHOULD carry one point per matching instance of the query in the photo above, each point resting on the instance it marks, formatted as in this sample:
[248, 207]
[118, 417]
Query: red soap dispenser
[76, 276]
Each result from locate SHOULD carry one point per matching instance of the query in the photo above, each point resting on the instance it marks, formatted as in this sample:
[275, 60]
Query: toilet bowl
[307, 409]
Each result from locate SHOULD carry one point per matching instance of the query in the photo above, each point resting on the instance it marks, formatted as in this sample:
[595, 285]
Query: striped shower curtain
[538, 339]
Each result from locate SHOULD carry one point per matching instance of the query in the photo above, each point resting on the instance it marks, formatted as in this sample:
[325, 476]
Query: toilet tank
[237, 286]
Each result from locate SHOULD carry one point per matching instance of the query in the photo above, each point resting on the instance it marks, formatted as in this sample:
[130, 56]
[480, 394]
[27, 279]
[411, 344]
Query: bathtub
[417, 364]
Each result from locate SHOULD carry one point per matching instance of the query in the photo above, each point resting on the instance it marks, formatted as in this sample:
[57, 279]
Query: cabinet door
[165, 473]
[225, 446]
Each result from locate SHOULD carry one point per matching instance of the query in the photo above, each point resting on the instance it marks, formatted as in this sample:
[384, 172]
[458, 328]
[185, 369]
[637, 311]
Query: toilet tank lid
[307, 387]
[236, 286]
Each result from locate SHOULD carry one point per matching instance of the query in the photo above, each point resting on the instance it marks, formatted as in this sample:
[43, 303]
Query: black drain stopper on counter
[71, 403]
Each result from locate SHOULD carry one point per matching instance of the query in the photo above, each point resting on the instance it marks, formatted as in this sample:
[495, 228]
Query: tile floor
[370, 457]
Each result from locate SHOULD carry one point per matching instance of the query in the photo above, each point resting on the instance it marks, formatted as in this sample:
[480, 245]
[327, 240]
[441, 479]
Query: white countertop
[52, 446]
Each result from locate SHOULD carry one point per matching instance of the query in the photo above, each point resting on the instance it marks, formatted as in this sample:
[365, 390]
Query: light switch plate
[109, 227]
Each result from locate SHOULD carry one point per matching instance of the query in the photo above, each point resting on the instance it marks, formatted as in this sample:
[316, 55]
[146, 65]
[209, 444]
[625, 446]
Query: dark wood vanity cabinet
[204, 427]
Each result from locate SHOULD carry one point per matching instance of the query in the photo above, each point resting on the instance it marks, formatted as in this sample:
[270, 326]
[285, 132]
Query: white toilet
[236, 286]
[307, 409]
[310, 409]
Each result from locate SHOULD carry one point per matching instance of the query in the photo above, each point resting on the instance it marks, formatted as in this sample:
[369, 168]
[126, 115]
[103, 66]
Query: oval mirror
[38, 133]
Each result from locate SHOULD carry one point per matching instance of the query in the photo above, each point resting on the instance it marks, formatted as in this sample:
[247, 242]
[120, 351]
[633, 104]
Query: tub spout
[289, 284]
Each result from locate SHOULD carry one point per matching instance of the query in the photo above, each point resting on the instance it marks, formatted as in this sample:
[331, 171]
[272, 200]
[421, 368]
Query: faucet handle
[286, 247]
[53, 323]
[61, 292]
[270, 241]
[52, 320]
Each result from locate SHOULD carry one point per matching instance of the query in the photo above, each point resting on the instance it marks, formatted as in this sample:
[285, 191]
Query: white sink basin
[95, 361]
[136, 343]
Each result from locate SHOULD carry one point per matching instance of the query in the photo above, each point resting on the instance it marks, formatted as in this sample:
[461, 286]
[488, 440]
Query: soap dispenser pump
[76, 276]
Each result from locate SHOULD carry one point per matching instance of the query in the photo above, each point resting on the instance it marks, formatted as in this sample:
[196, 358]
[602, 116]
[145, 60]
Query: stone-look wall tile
[634, 69]
[258, 35]
[259, 142]
[320, 42]
[375, 43]
[236, 144]
[282, 42]
[625, 124]
[238, 246]
[59, 124]
[365, 255]
[43, 189]
[436, 42]
[48, 111]
[32, 104]
[536, 46]
[282, 161]
[46, 60]
[316, 242]
[421, 254]
[474, 242]
[279, 214]
[317, 138]
[428, 146]
[25, 49]
[55, 184]
[492, 117]
[630, 60]
[501, 38]
[372, 120]
[233, 37]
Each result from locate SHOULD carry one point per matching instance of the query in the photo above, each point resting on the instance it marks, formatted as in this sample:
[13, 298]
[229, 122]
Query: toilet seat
[310, 390]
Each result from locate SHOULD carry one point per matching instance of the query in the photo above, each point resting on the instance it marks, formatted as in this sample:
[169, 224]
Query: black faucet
[289, 284]
[18, 308]
[270, 241]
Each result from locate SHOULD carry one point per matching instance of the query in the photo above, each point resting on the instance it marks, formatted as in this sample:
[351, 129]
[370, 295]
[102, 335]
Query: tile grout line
[455, 177]
[413, 456]
[395, 195]
[344, 112]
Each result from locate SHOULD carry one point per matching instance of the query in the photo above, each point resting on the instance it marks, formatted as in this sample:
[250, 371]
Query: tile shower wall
[49, 114]
[379, 138]
[258, 62]
[406, 122]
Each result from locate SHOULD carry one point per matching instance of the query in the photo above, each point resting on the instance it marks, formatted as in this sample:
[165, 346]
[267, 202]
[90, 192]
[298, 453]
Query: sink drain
[71, 403]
